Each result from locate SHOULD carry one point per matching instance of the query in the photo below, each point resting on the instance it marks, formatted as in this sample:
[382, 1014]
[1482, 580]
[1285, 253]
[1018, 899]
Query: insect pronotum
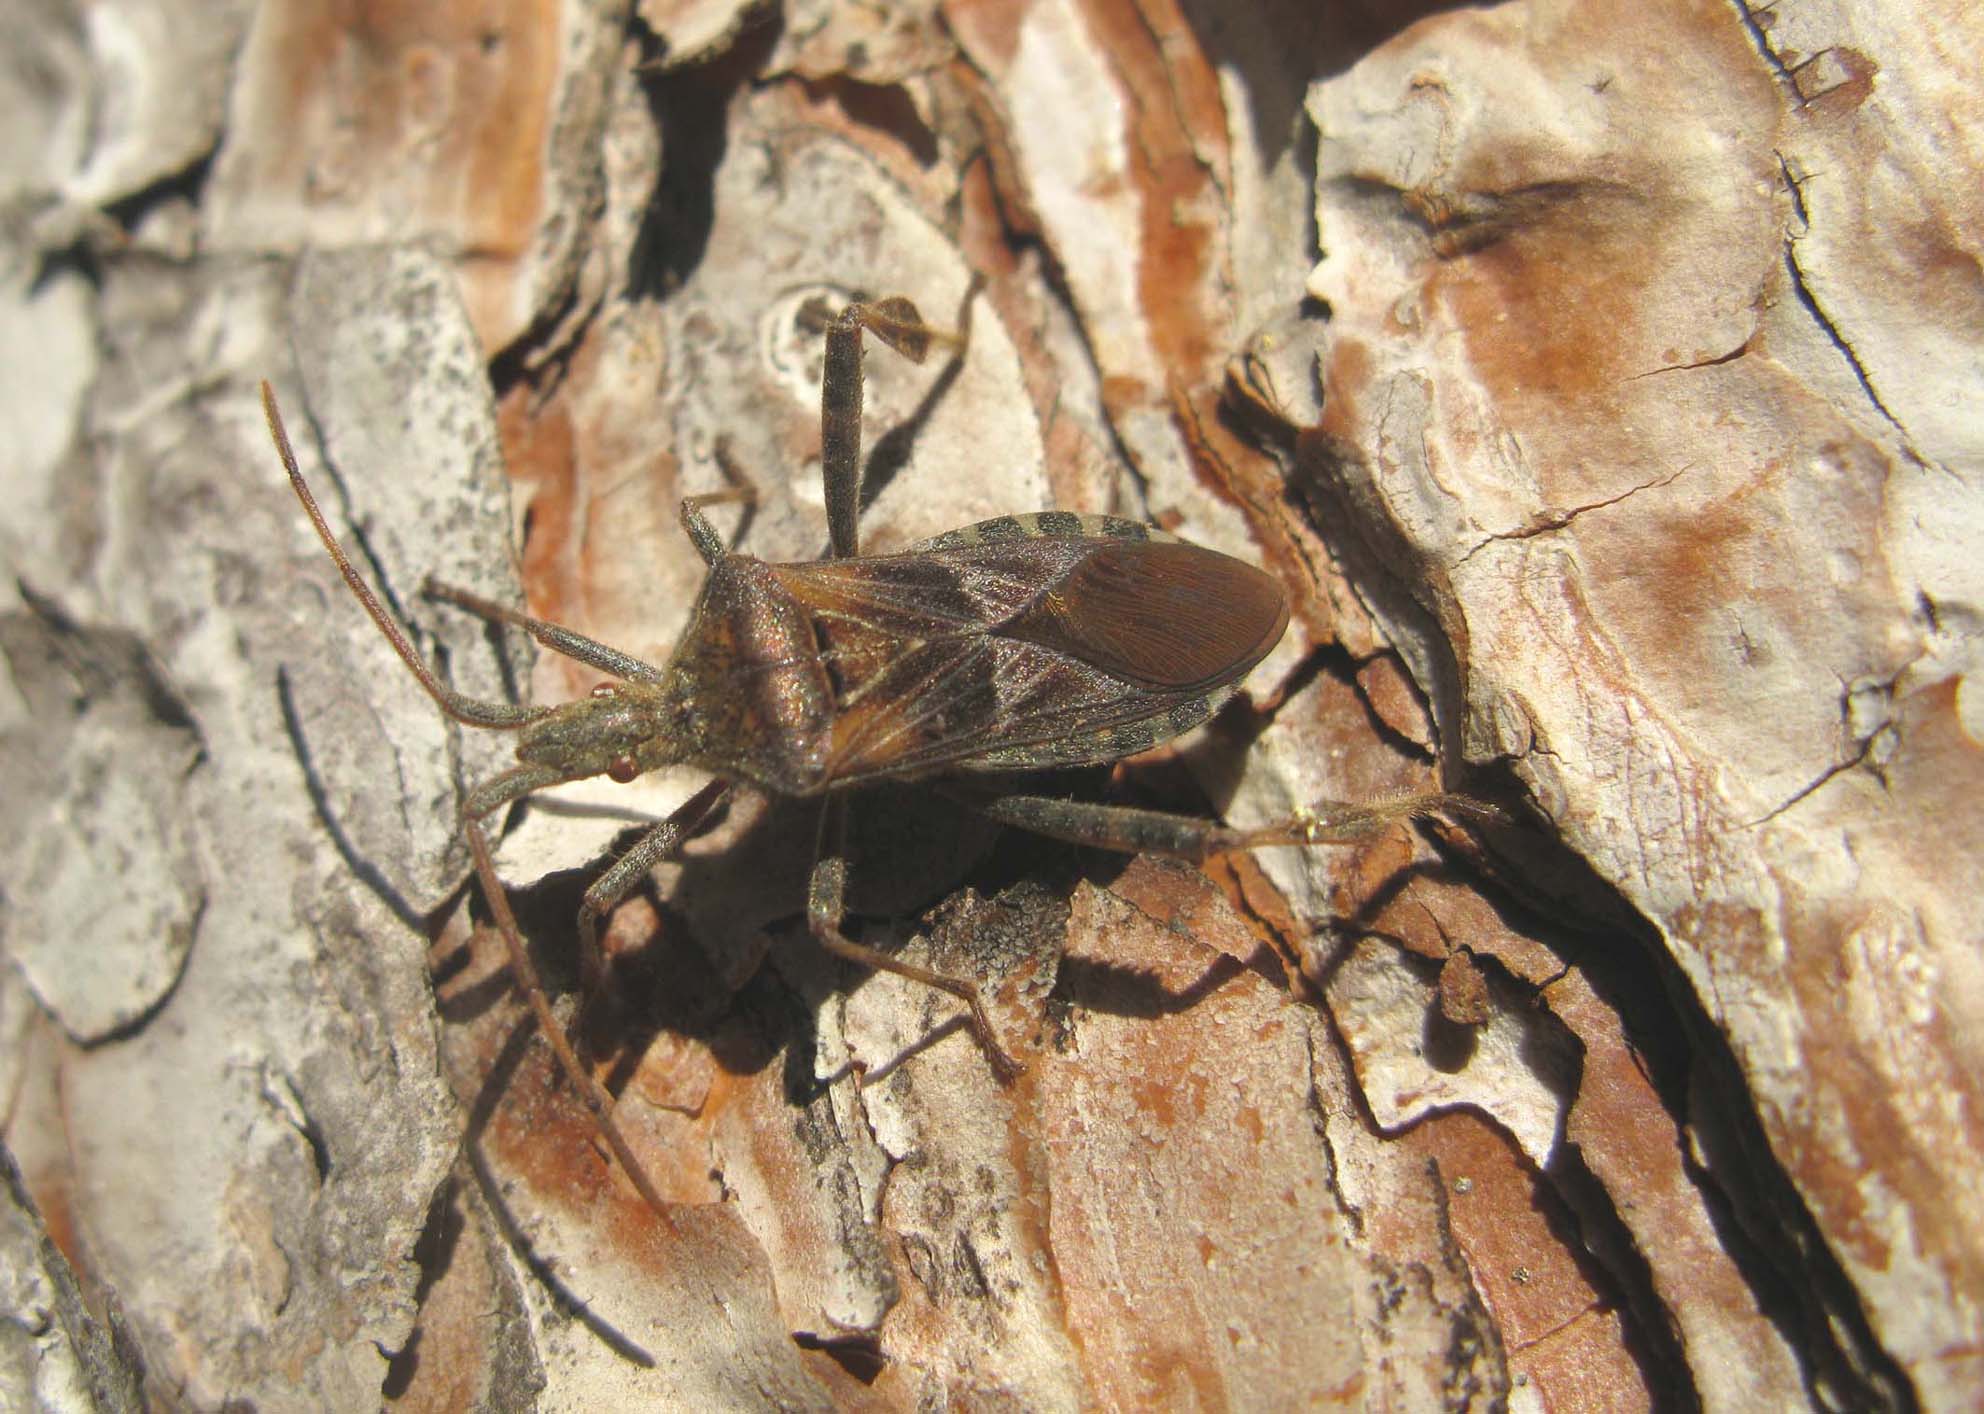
[1024, 642]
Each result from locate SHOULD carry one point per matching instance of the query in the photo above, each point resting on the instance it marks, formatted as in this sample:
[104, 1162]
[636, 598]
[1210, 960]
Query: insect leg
[896, 322]
[556, 637]
[492, 795]
[1130, 831]
[463, 709]
[1341, 821]
[825, 905]
[708, 543]
[612, 886]
[741, 489]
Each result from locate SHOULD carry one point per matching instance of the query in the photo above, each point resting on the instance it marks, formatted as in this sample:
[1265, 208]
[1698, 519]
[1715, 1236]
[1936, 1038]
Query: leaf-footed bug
[1024, 642]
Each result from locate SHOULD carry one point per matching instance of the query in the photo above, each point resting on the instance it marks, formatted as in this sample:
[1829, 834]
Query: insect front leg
[825, 906]
[629, 869]
[492, 795]
[741, 490]
[1131, 831]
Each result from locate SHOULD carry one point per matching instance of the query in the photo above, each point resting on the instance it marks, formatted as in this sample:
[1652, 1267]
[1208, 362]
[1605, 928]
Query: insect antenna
[497, 792]
[598, 1101]
[464, 709]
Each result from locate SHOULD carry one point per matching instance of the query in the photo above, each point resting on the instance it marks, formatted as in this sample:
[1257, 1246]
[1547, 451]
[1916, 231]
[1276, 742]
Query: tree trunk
[1599, 381]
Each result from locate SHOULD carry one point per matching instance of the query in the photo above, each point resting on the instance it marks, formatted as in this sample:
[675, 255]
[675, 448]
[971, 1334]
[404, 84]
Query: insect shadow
[1023, 643]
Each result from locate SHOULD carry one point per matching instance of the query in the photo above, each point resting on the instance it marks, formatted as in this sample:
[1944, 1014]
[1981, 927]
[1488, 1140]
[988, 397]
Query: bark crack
[1812, 787]
[1810, 301]
[1760, 39]
[1801, 286]
[1713, 361]
[1319, 1113]
[1556, 518]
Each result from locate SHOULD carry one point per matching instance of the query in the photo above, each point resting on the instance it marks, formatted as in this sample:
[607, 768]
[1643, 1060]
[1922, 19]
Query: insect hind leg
[1131, 831]
[896, 321]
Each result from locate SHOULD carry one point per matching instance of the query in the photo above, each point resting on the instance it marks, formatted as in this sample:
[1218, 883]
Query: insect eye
[622, 769]
[603, 689]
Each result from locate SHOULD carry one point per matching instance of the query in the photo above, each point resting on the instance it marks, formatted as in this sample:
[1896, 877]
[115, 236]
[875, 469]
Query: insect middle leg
[629, 869]
[825, 906]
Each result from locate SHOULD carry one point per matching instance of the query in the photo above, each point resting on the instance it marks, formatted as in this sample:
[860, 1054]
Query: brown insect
[1024, 642]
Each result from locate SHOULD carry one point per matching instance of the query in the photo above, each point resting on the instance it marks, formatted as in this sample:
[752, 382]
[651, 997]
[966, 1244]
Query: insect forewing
[1006, 646]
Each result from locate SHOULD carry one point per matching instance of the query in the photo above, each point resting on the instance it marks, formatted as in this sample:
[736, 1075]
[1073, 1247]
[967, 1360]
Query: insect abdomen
[1049, 525]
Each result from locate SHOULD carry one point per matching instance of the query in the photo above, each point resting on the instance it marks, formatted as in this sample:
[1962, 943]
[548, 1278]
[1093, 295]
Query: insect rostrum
[1023, 642]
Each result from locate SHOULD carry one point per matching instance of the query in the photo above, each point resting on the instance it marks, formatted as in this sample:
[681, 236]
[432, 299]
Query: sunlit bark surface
[1599, 380]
